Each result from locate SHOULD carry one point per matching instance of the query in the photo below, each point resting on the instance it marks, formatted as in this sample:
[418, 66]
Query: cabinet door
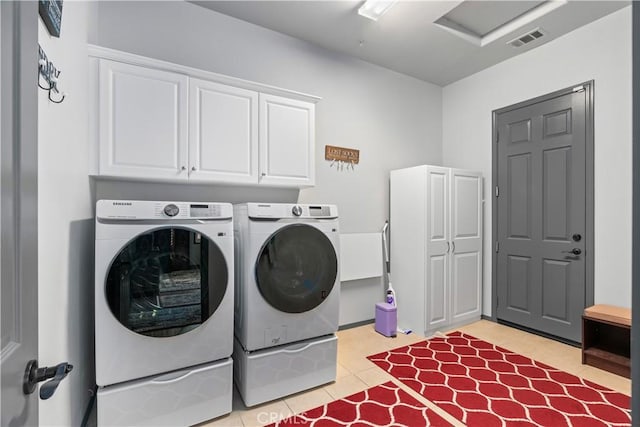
[223, 138]
[466, 238]
[438, 248]
[143, 122]
[287, 141]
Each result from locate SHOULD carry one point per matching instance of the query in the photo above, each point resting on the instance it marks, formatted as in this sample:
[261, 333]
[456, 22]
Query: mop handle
[385, 245]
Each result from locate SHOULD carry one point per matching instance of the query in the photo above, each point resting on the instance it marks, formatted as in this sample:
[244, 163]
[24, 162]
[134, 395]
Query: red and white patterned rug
[484, 385]
[383, 405]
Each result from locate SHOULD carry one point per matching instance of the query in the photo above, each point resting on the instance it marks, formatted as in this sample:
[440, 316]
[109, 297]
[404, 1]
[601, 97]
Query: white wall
[600, 51]
[394, 120]
[65, 223]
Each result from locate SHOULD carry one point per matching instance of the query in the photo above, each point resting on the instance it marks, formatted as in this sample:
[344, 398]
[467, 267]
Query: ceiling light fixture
[374, 9]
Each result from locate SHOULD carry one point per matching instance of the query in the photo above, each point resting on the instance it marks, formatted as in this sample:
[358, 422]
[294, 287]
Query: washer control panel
[204, 210]
[171, 210]
[320, 211]
[192, 210]
[147, 210]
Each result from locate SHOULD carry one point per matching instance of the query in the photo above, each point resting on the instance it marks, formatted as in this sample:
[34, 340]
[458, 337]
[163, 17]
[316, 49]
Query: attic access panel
[482, 17]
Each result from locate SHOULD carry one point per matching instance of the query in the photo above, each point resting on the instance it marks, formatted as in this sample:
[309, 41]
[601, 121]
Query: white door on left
[18, 207]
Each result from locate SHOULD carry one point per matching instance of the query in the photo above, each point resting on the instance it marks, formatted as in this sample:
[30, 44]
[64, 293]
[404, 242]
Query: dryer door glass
[297, 268]
[166, 282]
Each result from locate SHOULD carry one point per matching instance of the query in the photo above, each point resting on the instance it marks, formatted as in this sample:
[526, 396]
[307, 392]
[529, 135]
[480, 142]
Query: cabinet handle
[453, 247]
[448, 247]
[184, 168]
[264, 174]
[193, 169]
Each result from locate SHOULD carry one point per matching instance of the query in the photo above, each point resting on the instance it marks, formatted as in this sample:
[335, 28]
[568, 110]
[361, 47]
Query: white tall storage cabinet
[436, 247]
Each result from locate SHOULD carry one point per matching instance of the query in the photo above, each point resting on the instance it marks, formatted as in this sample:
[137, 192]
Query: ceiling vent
[526, 38]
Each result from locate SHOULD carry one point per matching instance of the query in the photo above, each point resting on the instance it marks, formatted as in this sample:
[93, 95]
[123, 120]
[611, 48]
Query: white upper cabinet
[223, 139]
[287, 141]
[159, 121]
[143, 122]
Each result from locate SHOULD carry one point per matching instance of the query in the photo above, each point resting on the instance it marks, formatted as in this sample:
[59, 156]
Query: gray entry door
[541, 214]
[18, 207]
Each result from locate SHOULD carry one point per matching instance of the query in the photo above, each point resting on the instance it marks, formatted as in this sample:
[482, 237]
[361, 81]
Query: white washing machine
[287, 298]
[163, 312]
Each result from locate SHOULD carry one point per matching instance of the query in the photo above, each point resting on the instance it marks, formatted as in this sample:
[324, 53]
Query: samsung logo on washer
[121, 203]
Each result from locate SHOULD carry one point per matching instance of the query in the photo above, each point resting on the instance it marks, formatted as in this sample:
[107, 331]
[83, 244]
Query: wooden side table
[606, 338]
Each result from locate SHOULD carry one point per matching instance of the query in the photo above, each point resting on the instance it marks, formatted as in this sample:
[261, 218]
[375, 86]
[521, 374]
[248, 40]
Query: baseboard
[356, 324]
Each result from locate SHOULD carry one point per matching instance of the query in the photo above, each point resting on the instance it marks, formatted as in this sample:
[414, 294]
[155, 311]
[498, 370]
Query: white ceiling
[405, 38]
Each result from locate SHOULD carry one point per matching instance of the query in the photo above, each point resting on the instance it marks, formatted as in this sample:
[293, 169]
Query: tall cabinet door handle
[453, 247]
[448, 247]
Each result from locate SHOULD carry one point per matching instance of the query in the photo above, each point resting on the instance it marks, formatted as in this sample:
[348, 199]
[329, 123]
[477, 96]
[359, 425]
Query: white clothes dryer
[287, 287]
[163, 311]
[287, 298]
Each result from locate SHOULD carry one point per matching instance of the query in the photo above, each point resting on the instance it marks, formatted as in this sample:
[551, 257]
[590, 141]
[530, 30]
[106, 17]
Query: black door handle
[575, 251]
[33, 375]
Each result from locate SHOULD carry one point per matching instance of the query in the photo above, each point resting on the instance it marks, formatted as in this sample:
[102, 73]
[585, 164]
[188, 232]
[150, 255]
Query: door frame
[589, 188]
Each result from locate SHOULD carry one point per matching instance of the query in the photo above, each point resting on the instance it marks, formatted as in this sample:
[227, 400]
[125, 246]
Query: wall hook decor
[343, 156]
[48, 73]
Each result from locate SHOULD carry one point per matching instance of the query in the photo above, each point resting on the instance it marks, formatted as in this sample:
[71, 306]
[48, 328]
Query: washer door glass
[297, 268]
[166, 282]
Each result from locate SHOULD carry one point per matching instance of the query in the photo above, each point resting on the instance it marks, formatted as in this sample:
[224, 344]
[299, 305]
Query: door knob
[33, 375]
[576, 237]
[575, 251]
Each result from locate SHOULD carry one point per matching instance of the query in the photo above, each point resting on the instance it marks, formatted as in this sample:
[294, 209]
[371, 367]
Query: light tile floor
[355, 373]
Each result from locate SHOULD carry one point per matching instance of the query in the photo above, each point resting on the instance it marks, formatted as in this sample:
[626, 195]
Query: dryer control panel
[151, 210]
[289, 210]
